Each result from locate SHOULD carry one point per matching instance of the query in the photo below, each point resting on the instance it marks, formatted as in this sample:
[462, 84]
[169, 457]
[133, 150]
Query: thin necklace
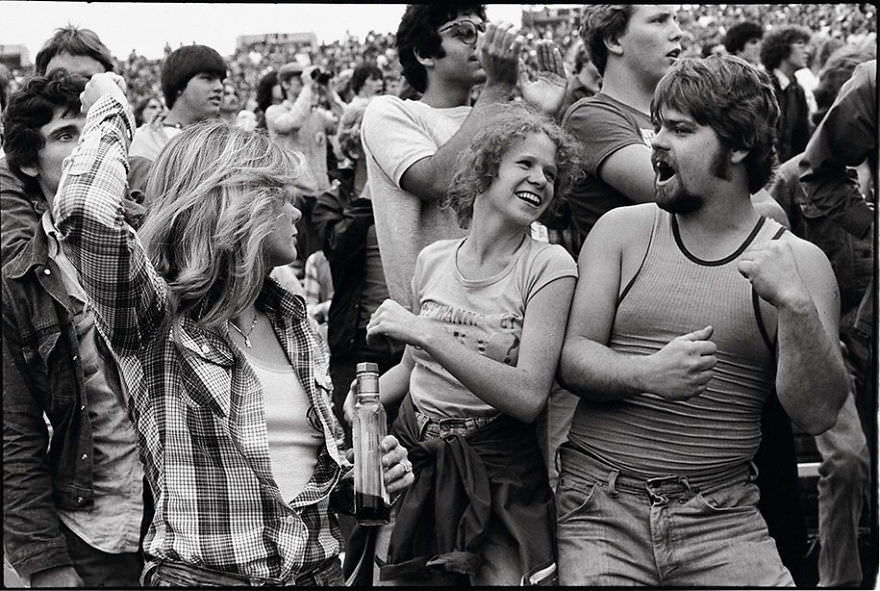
[245, 335]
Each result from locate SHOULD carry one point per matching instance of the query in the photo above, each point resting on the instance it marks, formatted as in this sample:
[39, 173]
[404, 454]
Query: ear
[612, 44]
[737, 156]
[31, 170]
[425, 61]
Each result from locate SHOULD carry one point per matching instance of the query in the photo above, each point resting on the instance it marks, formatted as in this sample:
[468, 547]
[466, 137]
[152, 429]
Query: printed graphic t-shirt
[485, 315]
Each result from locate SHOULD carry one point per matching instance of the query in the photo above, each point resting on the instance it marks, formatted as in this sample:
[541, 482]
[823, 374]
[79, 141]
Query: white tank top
[294, 444]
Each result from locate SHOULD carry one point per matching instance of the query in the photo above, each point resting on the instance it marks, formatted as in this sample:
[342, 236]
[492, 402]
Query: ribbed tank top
[674, 293]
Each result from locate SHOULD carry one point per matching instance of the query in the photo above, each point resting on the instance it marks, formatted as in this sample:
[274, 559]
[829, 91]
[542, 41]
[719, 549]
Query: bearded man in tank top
[687, 315]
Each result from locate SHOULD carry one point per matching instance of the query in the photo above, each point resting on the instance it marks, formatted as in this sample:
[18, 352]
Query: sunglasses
[468, 32]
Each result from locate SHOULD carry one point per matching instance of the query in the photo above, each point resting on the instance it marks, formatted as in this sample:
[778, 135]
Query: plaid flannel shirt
[196, 401]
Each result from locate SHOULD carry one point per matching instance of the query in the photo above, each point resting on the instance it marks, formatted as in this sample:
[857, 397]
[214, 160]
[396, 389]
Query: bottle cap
[367, 367]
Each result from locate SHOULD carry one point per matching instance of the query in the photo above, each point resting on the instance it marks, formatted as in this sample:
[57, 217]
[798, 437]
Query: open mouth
[674, 54]
[532, 199]
[663, 171]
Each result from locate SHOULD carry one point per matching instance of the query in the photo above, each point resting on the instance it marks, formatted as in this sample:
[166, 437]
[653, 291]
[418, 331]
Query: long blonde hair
[215, 193]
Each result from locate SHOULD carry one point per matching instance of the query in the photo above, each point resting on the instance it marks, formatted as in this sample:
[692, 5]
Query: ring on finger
[407, 466]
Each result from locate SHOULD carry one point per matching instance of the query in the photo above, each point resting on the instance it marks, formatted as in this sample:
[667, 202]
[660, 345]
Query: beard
[674, 197]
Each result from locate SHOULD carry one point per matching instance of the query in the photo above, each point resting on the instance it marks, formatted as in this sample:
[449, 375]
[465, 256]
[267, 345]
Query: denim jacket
[42, 372]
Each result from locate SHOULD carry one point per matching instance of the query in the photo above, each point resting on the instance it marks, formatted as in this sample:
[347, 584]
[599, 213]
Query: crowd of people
[603, 265]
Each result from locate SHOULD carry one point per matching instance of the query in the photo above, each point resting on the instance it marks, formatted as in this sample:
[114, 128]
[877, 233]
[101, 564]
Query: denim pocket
[729, 499]
[573, 497]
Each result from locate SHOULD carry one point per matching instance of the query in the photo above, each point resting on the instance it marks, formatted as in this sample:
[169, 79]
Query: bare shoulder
[626, 226]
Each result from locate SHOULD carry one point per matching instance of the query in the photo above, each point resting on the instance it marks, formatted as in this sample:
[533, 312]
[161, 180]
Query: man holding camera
[302, 123]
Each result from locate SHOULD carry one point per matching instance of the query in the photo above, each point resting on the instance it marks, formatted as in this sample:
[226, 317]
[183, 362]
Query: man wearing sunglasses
[411, 145]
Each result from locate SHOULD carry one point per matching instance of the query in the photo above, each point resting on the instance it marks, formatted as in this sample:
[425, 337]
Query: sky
[145, 27]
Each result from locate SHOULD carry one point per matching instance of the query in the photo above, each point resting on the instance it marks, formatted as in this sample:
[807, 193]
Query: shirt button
[47, 272]
[79, 500]
[206, 349]
[84, 457]
[75, 357]
[83, 407]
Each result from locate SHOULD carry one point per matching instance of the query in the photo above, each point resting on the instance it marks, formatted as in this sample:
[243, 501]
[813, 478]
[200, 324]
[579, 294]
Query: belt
[181, 574]
[578, 462]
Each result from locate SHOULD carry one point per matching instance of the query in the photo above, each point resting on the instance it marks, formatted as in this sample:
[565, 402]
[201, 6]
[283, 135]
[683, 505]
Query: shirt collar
[784, 80]
[48, 225]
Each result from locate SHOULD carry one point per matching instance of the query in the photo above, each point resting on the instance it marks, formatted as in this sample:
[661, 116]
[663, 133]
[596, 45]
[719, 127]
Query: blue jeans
[617, 530]
[843, 487]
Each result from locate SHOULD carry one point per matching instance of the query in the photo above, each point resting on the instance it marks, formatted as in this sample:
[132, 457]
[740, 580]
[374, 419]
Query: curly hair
[216, 192]
[731, 96]
[74, 41]
[741, 33]
[418, 33]
[31, 108]
[837, 70]
[601, 22]
[477, 167]
[777, 45]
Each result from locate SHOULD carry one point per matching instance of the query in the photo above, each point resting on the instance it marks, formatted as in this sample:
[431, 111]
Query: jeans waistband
[181, 574]
[430, 428]
[579, 463]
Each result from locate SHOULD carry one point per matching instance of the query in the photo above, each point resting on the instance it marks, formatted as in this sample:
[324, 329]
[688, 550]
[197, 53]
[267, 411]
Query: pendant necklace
[245, 335]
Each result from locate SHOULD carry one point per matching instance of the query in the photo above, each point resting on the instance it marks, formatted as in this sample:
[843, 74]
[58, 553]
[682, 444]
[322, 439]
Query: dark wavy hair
[601, 22]
[362, 73]
[741, 33]
[731, 96]
[31, 108]
[777, 45]
[74, 41]
[418, 33]
[477, 167]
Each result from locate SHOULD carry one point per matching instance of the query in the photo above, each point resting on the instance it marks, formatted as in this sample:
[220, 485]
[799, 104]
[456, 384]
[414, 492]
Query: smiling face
[689, 160]
[202, 95]
[651, 42]
[524, 185]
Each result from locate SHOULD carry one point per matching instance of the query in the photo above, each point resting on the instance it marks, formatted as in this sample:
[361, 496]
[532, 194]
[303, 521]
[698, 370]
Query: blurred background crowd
[257, 57]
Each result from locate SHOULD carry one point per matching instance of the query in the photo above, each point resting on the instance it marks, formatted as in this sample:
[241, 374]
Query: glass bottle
[372, 504]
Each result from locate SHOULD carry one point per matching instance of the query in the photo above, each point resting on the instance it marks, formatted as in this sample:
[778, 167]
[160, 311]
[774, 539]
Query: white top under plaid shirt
[197, 403]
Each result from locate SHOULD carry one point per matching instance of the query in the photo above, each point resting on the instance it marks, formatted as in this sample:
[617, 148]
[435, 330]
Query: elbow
[818, 424]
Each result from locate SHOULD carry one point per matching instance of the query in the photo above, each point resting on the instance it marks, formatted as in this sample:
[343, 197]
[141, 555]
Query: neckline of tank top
[717, 262]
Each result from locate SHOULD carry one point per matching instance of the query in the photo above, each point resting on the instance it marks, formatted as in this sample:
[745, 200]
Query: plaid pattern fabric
[196, 401]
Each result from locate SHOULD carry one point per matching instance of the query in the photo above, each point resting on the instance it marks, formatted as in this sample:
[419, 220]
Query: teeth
[529, 197]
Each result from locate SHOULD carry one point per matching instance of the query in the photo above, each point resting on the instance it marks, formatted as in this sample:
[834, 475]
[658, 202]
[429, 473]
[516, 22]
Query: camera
[321, 77]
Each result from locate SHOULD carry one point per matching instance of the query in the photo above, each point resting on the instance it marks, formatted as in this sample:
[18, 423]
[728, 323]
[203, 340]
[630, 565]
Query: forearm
[433, 175]
[596, 372]
[514, 391]
[394, 383]
[811, 378]
[89, 215]
[282, 120]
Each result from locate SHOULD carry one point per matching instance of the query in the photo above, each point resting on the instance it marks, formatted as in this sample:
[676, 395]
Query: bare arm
[797, 279]
[429, 178]
[519, 391]
[590, 368]
[629, 170]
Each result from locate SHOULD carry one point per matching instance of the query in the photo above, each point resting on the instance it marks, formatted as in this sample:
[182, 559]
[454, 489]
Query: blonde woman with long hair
[227, 386]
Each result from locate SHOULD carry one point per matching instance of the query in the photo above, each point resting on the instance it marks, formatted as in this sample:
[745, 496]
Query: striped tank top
[674, 293]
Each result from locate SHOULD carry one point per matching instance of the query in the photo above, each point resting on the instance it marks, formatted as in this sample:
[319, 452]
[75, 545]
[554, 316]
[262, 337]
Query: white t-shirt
[485, 315]
[396, 134]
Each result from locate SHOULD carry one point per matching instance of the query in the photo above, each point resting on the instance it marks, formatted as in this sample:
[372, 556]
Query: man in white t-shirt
[411, 146]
